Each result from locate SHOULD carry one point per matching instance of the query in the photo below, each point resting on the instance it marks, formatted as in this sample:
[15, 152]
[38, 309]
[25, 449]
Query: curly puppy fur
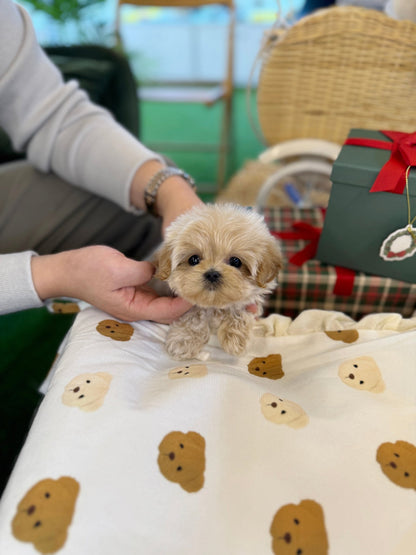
[220, 258]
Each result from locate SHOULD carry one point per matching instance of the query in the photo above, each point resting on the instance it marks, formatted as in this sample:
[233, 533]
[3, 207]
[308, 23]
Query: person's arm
[17, 291]
[105, 278]
[55, 123]
[63, 132]
[108, 280]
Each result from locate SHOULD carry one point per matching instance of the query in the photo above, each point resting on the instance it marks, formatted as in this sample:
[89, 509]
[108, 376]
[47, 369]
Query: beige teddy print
[282, 411]
[362, 373]
[87, 391]
[191, 371]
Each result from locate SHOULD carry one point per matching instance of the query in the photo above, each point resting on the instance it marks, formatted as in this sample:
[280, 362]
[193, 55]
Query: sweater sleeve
[16, 287]
[55, 122]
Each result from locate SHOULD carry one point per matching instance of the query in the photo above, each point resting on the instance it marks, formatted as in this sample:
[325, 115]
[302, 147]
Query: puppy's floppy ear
[270, 264]
[163, 262]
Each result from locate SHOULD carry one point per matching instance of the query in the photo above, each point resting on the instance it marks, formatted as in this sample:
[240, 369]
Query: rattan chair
[207, 94]
[337, 69]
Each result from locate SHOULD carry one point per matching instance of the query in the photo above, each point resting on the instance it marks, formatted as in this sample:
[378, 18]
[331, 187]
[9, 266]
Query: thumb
[137, 273]
[166, 309]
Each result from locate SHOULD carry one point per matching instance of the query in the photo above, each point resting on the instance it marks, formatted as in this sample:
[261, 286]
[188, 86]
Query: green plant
[74, 21]
[63, 11]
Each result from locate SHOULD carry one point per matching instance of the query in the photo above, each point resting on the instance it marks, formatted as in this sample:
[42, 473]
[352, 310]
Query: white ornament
[399, 245]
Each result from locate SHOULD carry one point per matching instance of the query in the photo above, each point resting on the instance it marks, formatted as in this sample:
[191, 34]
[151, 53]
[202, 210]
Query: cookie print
[65, 308]
[398, 462]
[182, 459]
[116, 330]
[268, 367]
[299, 529]
[45, 513]
[346, 336]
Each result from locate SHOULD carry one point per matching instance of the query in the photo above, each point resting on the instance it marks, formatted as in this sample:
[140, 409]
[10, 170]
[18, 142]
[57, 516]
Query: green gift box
[368, 231]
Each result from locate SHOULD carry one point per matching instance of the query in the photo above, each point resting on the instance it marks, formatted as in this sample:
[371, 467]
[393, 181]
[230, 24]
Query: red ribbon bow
[392, 176]
[303, 231]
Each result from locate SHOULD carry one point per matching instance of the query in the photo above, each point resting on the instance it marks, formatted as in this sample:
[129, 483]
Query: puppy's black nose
[212, 276]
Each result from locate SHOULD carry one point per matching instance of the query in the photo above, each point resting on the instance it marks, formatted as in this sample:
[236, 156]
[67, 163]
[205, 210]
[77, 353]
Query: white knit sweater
[61, 131]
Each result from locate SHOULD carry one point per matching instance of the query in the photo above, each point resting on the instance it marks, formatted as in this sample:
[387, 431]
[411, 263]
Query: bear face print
[116, 330]
[282, 411]
[398, 462]
[269, 367]
[191, 371]
[299, 529]
[182, 459]
[45, 513]
[65, 308]
[87, 391]
[362, 373]
[346, 336]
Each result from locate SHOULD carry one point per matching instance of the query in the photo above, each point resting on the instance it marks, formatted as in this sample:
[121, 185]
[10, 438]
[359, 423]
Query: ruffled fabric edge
[312, 321]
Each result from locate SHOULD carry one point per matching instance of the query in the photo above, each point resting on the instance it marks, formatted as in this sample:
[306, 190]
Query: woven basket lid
[340, 68]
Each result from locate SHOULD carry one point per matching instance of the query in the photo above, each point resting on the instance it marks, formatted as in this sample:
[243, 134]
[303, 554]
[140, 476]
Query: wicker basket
[340, 68]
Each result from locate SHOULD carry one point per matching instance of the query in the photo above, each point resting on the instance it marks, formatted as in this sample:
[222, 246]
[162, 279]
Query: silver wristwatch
[150, 192]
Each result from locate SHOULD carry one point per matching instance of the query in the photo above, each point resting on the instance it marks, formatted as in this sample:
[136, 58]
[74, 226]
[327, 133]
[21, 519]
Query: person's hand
[105, 278]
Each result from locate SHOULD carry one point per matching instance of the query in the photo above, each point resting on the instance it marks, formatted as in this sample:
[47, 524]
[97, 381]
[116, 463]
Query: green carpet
[200, 124]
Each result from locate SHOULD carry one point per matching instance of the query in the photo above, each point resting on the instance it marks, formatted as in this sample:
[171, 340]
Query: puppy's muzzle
[212, 278]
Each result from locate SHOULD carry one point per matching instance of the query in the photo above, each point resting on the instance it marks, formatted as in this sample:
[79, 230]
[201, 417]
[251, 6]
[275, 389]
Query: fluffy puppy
[220, 258]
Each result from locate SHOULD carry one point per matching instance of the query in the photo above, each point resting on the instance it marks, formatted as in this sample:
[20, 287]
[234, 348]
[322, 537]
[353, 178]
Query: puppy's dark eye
[234, 261]
[194, 260]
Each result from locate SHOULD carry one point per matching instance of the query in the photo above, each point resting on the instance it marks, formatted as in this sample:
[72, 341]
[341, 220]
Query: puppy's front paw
[188, 335]
[182, 349]
[185, 345]
[234, 342]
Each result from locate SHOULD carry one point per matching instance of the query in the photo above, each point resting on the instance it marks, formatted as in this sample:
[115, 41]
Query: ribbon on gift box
[392, 176]
[303, 231]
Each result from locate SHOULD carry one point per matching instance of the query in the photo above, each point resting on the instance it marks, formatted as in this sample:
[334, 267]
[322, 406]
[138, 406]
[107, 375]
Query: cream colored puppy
[220, 258]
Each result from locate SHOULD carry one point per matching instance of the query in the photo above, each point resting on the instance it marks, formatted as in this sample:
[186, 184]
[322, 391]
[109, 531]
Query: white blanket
[306, 445]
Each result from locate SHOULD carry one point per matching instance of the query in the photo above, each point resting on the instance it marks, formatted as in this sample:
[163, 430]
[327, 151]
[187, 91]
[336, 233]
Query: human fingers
[165, 310]
[148, 305]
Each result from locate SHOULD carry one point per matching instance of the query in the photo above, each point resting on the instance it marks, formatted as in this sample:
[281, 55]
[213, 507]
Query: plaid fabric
[312, 284]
